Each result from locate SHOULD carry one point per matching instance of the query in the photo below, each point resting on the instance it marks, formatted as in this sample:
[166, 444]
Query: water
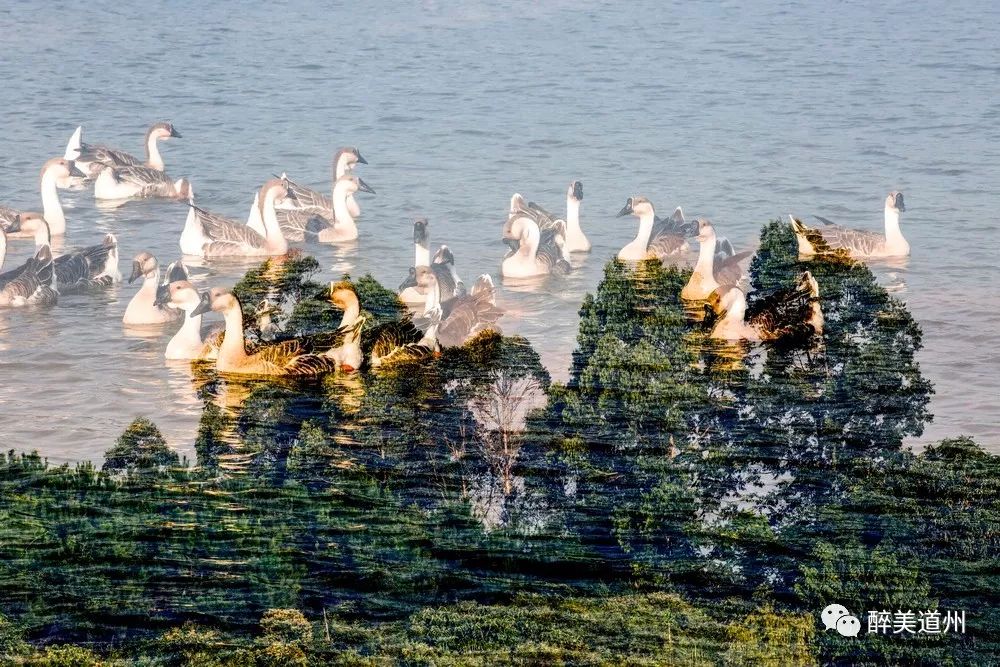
[737, 114]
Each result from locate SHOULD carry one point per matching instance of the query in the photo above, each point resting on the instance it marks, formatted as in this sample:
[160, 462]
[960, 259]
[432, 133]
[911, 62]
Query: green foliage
[11, 639]
[772, 639]
[66, 655]
[286, 625]
[141, 450]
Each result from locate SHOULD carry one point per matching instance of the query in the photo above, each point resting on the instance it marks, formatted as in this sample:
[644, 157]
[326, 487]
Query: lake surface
[740, 115]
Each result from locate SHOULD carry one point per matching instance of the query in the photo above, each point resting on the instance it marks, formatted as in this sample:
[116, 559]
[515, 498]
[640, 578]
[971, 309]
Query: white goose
[53, 172]
[531, 253]
[344, 161]
[443, 265]
[718, 264]
[138, 182]
[188, 343]
[861, 244]
[143, 309]
[330, 226]
[576, 240]
[209, 235]
[93, 266]
[92, 156]
[662, 239]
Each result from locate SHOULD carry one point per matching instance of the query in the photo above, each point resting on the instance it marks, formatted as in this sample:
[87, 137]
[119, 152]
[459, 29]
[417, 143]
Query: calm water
[737, 114]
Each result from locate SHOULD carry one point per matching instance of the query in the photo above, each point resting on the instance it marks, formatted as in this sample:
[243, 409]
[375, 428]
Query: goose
[576, 240]
[143, 309]
[344, 161]
[443, 266]
[93, 266]
[455, 322]
[188, 343]
[92, 156]
[792, 313]
[662, 239]
[53, 172]
[718, 264]
[531, 253]
[138, 182]
[327, 225]
[3, 242]
[287, 358]
[861, 244]
[209, 235]
[31, 283]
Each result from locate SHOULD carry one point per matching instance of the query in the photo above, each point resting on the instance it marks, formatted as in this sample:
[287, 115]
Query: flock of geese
[444, 312]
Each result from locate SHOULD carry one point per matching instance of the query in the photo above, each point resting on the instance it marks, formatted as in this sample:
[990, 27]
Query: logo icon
[831, 614]
[848, 626]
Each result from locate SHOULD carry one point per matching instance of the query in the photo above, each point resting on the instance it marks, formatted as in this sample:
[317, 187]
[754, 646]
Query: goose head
[411, 280]
[517, 203]
[279, 189]
[32, 222]
[61, 168]
[575, 191]
[348, 184]
[444, 255]
[894, 202]
[178, 294]
[162, 132]
[638, 206]
[706, 232]
[217, 300]
[342, 295]
[420, 231]
[144, 265]
[345, 159]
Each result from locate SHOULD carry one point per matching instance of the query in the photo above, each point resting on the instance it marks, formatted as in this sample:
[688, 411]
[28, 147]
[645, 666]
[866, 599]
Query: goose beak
[899, 202]
[364, 187]
[203, 306]
[361, 160]
[578, 190]
[162, 295]
[290, 194]
[626, 210]
[15, 225]
[75, 170]
[174, 133]
[136, 272]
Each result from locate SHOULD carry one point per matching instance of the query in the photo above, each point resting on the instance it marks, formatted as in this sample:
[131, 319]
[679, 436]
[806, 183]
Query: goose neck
[341, 211]
[706, 257]
[233, 349]
[51, 206]
[153, 157]
[272, 229]
[892, 230]
[645, 228]
[572, 214]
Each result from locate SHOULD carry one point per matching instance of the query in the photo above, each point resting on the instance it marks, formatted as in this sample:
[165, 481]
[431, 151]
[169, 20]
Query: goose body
[793, 313]
[54, 172]
[466, 316]
[188, 343]
[662, 239]
[143, 309]
[93, 157]
[288, 358]
[344, 161]
[30, 284]
[138, 182]
[329, 225]
[718, 264]
[206, 234]
[93, 266]
[532, 253]
[861, 244]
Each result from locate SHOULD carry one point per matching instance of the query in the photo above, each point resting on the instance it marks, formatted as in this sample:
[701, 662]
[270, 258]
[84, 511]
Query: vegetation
[676, 502]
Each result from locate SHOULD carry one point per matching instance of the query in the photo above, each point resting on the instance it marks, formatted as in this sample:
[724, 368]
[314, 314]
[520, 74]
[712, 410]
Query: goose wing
[781, 313]
[446, 281]
[32, 283]
[296, 224]
[311, 365]
[469, 316]
[856, 241]
[227, 230]
[382, 340]
[728, 271]
[309, 198]
[142, 176]
[109, 156]
[7, 216]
